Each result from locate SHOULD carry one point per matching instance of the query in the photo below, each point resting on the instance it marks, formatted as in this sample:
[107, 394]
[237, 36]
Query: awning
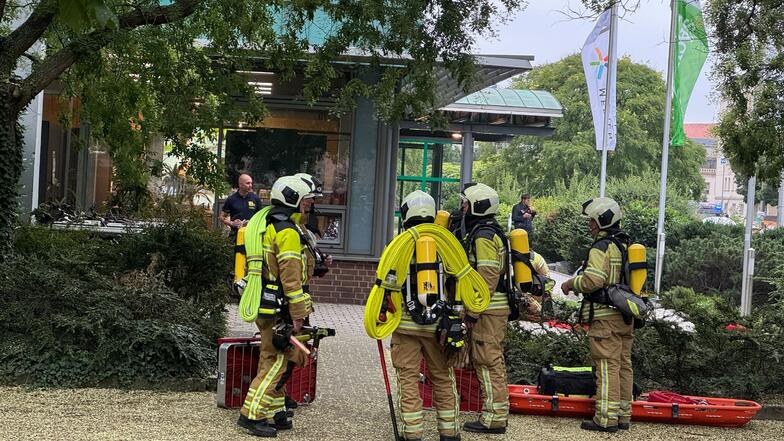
[495, 114]
[491, 70]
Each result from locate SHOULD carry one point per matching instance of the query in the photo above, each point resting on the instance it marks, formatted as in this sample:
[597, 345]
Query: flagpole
[605, 127]
[660, 235]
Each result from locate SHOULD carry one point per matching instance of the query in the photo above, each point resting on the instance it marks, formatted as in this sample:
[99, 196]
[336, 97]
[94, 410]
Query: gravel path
[350, 405]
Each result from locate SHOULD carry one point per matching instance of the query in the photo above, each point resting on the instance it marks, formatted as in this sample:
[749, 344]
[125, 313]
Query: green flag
[691, 50]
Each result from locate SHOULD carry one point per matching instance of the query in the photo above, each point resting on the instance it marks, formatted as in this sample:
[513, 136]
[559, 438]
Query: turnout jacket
[287, 262]
[600, 270]
[487, 255]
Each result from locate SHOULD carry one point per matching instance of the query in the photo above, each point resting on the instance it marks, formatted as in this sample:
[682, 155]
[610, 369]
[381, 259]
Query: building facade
[366, 164]
[721, 195]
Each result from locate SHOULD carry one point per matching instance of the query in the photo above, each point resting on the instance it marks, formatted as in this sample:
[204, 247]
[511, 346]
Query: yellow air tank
[638, 271]
[239, 256]
[518, 240]
[427, 276]
[442, 218]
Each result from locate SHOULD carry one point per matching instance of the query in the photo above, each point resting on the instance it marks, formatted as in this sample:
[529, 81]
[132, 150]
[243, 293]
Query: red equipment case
[238, 361]
[468, 389]
[724, 412]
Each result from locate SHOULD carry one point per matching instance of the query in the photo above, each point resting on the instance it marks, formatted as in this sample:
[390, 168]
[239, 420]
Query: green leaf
[84, 14]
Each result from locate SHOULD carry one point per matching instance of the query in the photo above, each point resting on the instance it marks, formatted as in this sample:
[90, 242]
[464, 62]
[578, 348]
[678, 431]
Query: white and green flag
[597, 62]
[691, 50]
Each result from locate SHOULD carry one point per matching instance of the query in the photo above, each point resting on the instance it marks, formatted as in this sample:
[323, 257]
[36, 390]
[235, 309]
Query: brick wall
[346, 282]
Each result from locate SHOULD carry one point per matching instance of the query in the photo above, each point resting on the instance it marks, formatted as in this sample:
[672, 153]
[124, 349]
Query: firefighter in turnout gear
[416, 337]
[487, 251]
[537, 301]
[610, 336]
[283, 309]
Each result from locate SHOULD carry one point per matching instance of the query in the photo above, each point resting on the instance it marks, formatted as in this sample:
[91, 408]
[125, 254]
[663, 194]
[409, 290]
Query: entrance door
[430, 165]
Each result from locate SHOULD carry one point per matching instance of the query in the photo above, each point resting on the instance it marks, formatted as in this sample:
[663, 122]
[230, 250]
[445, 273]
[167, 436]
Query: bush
[561, 230]
[709, 360]
[707, 264]
[77, 310]
[709, 259]
[528, 350]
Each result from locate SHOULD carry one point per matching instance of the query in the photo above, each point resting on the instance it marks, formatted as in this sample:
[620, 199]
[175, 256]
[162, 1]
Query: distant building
[721, 194]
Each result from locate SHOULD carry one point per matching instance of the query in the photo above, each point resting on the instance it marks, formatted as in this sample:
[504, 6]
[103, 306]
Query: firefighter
[487, 251]
[610, 337]
[537, 300]
[414, 339]
[283, 310]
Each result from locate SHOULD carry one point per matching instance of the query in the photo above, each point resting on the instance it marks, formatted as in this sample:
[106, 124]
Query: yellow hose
[254, 249]
[471, 288]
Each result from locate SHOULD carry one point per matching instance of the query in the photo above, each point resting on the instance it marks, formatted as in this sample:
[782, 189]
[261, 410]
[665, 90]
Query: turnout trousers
[266, 396]
[487, 352]
[610, 340]
[407, 353]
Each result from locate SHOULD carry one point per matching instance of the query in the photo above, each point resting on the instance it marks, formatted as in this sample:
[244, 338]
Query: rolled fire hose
[471, 288]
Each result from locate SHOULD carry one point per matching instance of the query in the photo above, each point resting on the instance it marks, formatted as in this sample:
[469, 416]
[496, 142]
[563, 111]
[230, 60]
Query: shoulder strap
[624, 258]
[505, 278]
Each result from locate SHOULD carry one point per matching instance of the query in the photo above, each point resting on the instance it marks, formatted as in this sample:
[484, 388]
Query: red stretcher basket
[722, 412]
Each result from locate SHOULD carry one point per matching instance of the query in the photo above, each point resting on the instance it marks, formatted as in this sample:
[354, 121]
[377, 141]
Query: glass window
[289, 141]
[330, 225]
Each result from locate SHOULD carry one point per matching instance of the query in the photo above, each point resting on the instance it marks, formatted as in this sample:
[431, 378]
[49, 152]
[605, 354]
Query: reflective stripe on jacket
[488, 256]
[284, 261]
[602, 269]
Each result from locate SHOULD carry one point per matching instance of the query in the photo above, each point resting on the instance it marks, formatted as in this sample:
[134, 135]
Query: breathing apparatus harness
[320, 268]
[625, 296]
[384, 307]
[261, 297]
[521, 277]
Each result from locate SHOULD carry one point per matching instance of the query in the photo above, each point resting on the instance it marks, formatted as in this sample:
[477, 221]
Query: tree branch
[23, 37]
[54, 65]
[2, 9]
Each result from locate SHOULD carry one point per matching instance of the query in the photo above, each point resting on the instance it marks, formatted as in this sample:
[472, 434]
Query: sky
[542, 31]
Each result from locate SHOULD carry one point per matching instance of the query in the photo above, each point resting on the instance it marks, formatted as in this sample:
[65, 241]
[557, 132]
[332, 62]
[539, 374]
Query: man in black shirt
[241, 205]
[523, 215]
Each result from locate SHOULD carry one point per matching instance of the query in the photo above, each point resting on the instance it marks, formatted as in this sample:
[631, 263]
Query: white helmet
[605, 211]
[289, 191]
[482, 200]
[418, 205]
[313, 182]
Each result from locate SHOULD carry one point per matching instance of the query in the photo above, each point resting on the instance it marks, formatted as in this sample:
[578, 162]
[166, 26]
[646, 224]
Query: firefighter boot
[290, 403]
[282, 421]
[591, 425]
[449, 438]
[257, 427]
[478, 427]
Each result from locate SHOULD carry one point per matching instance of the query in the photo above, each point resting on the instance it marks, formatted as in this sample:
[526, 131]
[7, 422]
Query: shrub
[77, 310]
[709, 259]
[561, 231]
[709, 360]
[707, 264]
[191, 259]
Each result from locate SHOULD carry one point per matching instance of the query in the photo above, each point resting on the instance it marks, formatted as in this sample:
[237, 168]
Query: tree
[764, 191]
[540, 163]
[141, 66]
[748, 37]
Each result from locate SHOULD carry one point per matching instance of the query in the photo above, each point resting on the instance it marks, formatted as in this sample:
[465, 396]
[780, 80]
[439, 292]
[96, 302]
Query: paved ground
[350, 405]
